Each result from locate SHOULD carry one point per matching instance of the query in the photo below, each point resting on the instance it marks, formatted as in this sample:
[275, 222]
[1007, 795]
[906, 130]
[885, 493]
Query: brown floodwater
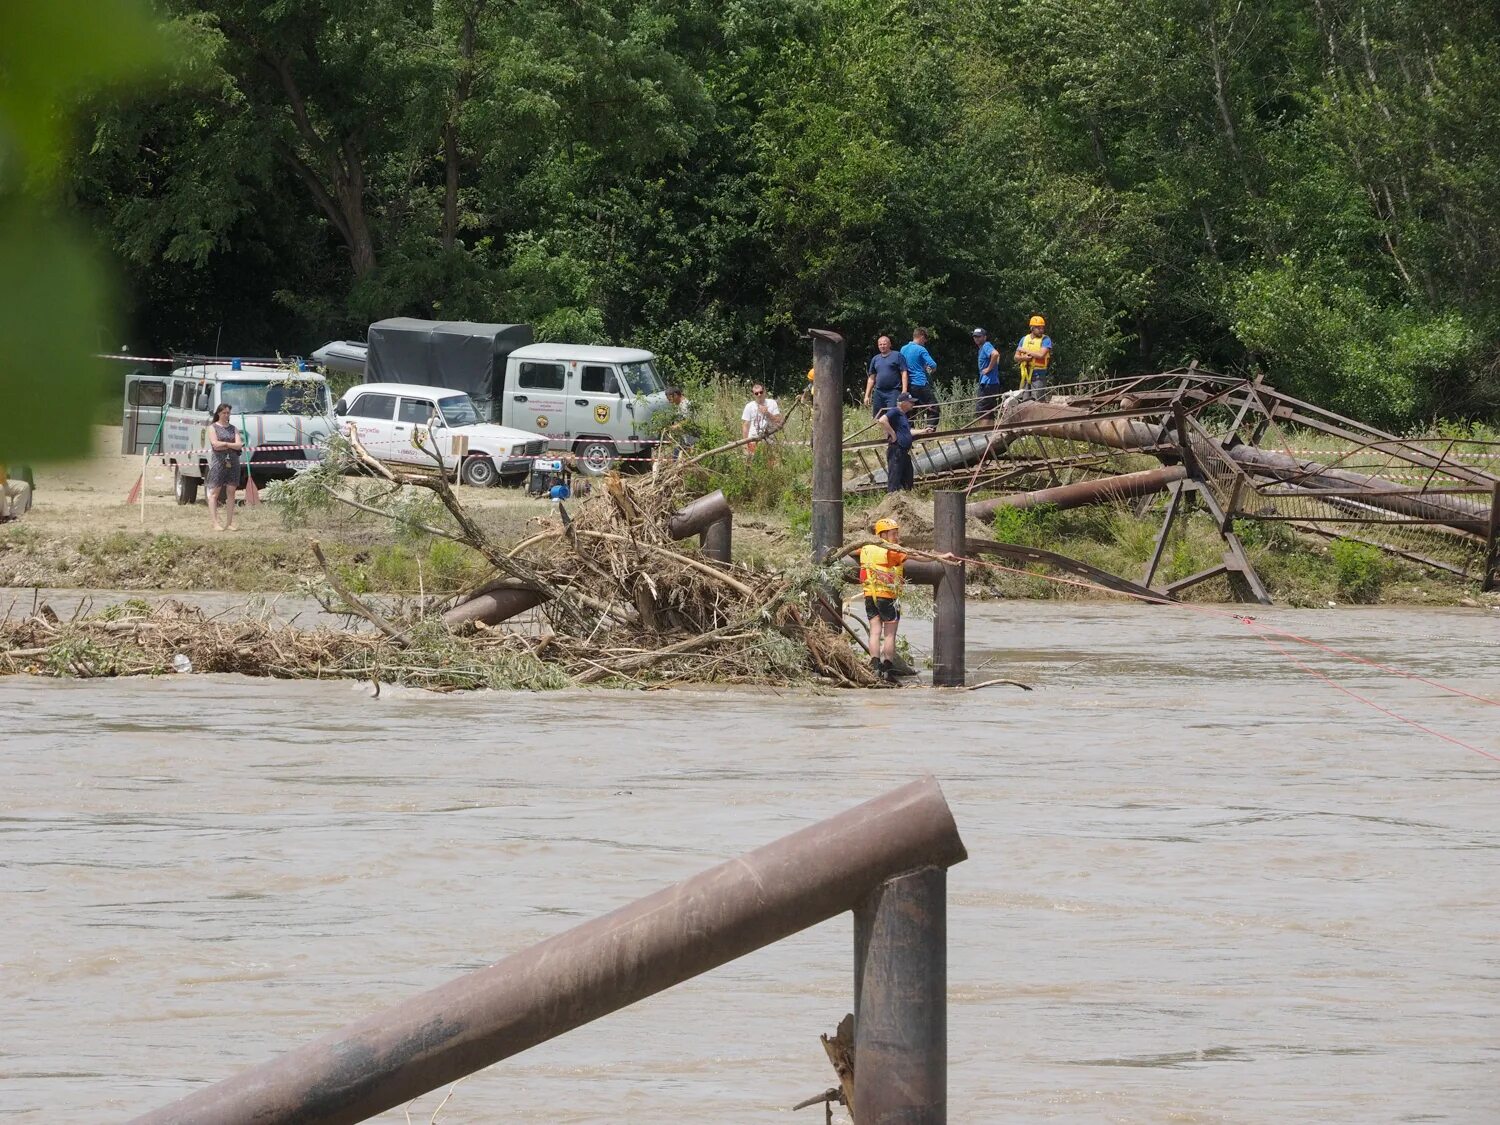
[1203, 886]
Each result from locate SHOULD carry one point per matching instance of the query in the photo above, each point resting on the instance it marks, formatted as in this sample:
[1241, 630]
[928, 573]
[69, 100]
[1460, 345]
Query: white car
[392, 418]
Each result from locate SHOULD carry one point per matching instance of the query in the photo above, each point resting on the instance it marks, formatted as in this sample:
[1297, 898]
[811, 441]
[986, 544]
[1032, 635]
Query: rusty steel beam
[1100, 490]
[599, 967]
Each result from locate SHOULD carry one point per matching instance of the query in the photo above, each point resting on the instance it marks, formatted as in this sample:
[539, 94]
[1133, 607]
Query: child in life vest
[882, 573]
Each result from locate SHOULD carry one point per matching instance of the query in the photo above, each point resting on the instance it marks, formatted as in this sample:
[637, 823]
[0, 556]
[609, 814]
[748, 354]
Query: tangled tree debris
[621, 602]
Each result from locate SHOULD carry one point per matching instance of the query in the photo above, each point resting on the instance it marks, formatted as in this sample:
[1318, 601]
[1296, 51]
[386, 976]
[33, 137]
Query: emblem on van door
[601, 414]
[541, 421]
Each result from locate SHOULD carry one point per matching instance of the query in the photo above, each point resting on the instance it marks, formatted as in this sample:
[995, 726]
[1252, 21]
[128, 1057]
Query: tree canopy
[1307, 189]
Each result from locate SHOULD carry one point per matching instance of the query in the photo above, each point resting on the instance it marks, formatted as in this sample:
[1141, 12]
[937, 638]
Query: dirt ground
[81, 533]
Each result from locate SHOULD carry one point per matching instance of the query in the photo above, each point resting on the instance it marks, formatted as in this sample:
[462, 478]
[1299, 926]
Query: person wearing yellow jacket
[1034, 354]
[882, 572]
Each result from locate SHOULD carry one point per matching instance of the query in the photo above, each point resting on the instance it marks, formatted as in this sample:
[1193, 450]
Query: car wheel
[480, 472]
[596, 456]
[184, 488]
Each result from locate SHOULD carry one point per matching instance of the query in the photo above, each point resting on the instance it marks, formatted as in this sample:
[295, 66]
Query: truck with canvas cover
[594, 401]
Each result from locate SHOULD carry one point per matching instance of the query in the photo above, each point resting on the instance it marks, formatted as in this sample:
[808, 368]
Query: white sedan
[401, 422]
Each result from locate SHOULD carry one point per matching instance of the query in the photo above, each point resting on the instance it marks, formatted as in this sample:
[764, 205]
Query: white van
[391, 418]
[284, 408]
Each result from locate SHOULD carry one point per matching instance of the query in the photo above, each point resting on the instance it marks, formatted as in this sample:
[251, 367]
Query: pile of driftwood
[621, 601]
[135, 639]
[626, 602]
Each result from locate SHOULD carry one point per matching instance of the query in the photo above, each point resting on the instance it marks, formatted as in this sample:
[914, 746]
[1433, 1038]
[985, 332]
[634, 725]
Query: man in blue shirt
[989, 377]
[922, 367]
[897, 426]
[887, 377]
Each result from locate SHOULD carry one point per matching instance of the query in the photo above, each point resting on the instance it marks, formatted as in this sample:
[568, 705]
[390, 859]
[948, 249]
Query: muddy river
[1203, 885]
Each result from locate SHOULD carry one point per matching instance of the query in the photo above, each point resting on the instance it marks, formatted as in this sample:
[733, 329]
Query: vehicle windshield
[305, 397]
[459, 411]
[642, 378]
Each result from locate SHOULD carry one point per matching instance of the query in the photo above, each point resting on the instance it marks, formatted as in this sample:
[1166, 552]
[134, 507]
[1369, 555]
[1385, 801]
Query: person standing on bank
[989, 377]
[896, 423]
[921, 367]
[888, 377]
[223, 465]
[760, 419]
[1034, 354]
[882, 572]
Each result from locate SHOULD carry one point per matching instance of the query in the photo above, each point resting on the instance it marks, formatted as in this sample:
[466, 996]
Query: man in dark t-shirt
[888, 377]
[897, 426]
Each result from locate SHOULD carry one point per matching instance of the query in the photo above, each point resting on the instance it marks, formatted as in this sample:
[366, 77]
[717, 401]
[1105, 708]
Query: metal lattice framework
[1242, 449]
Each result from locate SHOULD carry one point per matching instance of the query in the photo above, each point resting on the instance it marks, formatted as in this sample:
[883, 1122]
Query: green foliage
[1307, 189]
[58, 295]
[1359, 569]
[1027, 527]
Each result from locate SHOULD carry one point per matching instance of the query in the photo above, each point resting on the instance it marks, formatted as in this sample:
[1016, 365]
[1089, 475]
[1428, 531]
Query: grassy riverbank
[82, 535]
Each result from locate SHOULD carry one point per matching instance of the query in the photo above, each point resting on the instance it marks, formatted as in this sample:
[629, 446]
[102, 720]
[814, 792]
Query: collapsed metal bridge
[1244, 451]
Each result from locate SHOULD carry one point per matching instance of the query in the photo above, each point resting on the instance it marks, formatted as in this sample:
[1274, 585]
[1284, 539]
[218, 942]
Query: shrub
[1359, 569]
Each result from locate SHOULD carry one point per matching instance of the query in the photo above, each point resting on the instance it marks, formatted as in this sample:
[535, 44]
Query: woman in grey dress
[223, 465]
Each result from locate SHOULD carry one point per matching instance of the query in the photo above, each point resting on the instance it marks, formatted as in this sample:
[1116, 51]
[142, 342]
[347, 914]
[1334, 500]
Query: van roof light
[234, 365]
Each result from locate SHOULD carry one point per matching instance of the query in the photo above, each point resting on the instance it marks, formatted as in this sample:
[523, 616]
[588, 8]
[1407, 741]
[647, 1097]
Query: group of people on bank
[898, 388]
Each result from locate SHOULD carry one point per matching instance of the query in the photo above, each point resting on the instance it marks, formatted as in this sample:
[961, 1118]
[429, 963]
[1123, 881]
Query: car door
[595, 404]
[374, 418]
[145, 404]
[412, 416]
[538, 399]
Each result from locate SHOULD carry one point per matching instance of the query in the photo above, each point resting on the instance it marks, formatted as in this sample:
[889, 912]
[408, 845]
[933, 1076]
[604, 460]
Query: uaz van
[286, 409]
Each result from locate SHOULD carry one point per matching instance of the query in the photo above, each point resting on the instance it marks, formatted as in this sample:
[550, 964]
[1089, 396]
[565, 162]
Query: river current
[1203, 885]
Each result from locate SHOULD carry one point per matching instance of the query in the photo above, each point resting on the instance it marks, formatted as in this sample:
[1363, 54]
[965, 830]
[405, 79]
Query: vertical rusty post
[717, 540]
[900, 1002]
[827, 443]
[1491, 576]
[948, 517]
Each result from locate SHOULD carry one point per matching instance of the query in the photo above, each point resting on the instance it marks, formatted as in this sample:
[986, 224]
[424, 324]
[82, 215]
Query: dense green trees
[1305, 187]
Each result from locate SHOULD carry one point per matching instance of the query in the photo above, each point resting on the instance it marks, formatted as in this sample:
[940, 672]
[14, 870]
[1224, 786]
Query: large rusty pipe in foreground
[827, 443]
[587, 972]
[901, 1002]
[1126, 486]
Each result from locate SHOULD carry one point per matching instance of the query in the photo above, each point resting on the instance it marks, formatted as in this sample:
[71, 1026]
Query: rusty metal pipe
[900, 1002]
[948, 518]
[1126, 486]
[492, 606]
[698, 515]
[608, 963]
[827, 443]
[716, 540]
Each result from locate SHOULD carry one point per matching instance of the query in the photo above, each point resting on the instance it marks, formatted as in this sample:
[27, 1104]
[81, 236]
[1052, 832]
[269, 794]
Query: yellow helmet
[886, 525]
[810, 374]
[1038, 322]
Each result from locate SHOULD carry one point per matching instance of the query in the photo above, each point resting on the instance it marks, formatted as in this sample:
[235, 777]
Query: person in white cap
[989, 377]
